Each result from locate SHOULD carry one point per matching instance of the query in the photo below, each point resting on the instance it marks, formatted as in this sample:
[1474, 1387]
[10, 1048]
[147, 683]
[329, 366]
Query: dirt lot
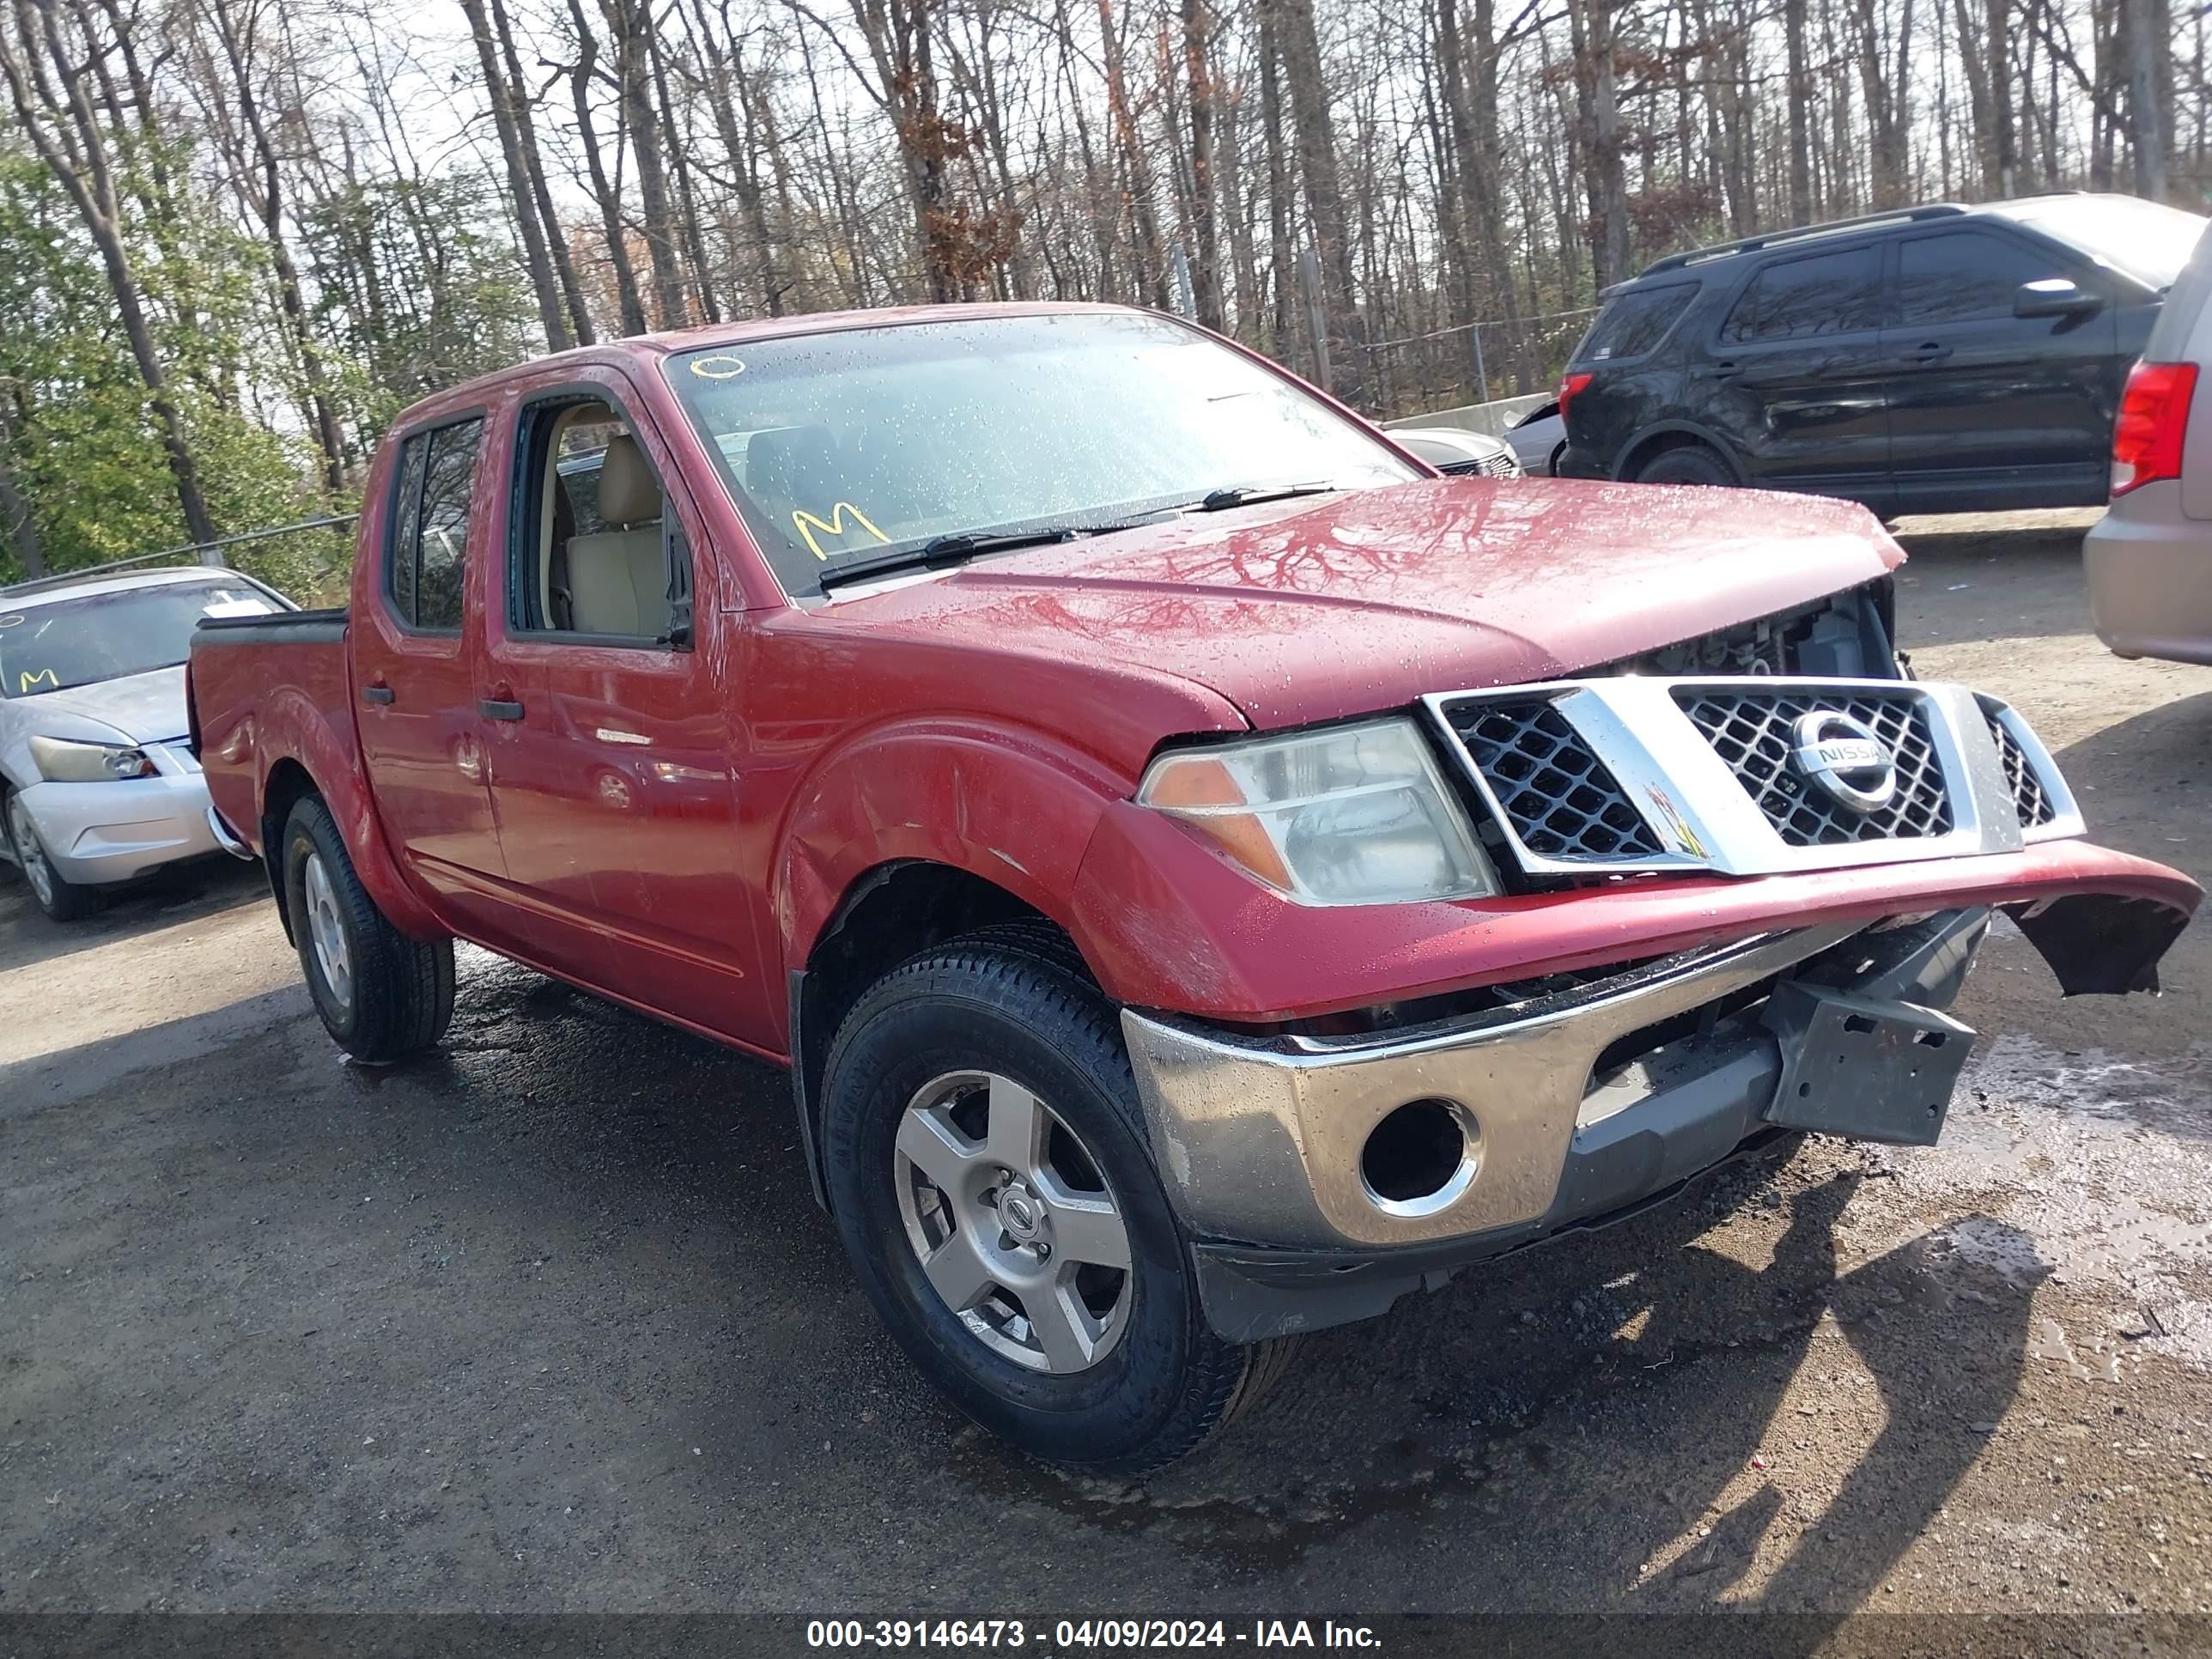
[551, 1322]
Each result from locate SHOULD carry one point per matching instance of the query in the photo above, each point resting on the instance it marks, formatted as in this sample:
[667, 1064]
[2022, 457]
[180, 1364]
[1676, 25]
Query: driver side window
[593, 554]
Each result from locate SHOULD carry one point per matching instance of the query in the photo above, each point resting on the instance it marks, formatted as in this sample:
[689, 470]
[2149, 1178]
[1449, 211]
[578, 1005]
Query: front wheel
[62, 899]
[382, 995]
[988, 1168]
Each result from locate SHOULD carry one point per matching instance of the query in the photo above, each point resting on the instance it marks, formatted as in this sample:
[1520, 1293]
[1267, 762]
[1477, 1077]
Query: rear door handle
[379, 694]
[1727, 370]
[492, 709]
[1929, 352]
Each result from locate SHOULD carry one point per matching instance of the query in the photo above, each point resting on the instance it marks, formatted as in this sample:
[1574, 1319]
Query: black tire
[1686, 464]
[62, 899]
[1014, 1002]
[401, 994]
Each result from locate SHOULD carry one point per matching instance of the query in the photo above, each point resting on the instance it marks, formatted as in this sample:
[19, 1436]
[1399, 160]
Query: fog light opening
[1420, 1157]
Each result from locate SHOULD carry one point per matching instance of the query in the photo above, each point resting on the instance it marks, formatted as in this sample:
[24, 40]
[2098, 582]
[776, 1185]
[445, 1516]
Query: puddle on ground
[2049, 1343]
[2085, 1170]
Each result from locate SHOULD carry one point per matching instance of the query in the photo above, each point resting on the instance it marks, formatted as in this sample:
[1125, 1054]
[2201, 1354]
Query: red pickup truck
[1207, 874]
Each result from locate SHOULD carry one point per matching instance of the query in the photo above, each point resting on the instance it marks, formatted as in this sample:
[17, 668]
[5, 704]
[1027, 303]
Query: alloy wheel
[30, 854]
[327, 931]
[1014, 1224]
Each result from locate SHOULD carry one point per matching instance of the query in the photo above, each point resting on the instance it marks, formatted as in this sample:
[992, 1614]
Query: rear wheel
[382, 995]
[62, 899]
[1686, 464]
[988, 1170]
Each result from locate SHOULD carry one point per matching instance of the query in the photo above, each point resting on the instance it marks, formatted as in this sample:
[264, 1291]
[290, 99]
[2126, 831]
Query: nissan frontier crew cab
[1207, 874]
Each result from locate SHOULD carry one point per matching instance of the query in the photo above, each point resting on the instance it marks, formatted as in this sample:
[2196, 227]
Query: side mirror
[2054, 296]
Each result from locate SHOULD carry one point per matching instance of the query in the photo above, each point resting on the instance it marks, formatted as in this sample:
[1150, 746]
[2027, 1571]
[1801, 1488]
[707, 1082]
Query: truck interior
[599, 563]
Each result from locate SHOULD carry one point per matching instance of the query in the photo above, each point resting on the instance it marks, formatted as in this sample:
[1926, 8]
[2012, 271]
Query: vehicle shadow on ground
[178, 893]
[2139, 781]
[1580, 1423]
[615, 1212]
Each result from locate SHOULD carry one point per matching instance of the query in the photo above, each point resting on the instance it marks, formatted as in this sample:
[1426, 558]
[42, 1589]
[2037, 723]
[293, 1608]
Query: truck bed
[262, 690]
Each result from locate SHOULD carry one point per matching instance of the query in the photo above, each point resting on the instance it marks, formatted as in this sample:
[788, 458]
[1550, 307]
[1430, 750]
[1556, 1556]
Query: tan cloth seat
[618, 578]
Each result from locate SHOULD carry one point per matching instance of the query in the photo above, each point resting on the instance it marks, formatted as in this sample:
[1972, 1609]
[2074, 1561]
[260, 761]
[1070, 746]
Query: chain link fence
[1476, 363]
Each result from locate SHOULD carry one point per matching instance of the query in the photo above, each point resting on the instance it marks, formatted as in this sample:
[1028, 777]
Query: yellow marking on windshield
[26, 680]
[806, 524]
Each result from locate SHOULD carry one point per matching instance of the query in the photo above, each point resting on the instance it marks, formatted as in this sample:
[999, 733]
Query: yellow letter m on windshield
[807, 524]
[45, 676]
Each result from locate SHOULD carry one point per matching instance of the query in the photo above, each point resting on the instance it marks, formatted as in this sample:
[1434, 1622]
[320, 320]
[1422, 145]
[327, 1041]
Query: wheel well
[1659, 443]
[288, 784]
[894, 912]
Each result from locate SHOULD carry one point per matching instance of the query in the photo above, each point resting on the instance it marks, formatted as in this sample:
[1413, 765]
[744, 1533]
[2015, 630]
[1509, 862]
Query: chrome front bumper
[1260, 1139]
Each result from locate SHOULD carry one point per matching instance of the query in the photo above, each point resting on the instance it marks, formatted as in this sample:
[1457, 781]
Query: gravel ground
[551, 1322]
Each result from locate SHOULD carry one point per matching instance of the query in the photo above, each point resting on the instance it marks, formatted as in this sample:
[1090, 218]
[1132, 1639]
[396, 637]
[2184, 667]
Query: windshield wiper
[1220, 501]
[940, 551]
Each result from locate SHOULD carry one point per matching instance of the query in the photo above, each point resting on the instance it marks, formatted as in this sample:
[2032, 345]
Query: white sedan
[98, 784]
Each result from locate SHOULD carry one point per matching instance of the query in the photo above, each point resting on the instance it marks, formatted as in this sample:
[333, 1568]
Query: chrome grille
[2029, 798]
[1751, 730]
[1557, 795]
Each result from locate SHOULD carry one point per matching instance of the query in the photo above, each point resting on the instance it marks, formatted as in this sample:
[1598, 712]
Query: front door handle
[379, 694]
[1929, 352]
[1727, 369]
[493, 710]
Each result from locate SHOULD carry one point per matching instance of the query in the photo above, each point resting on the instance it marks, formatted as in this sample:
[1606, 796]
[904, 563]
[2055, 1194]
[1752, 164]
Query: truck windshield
[860, 444]
[107, 635]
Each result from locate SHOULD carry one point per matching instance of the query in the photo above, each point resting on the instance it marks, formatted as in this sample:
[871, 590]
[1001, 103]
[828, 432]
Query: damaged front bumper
[1324, 1177]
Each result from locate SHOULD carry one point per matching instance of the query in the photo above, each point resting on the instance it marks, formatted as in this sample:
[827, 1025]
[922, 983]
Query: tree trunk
[22, 529]
[556, 238]
[2004, 159]
[2144, 24]
[1137, 195]
[1801, 113]
[630, 22]
[267, 199]
[1205, 189]
[1280, 333]
[689, 227]
[1316, 144]
[535, 252]
[627, 298]
[80, 163]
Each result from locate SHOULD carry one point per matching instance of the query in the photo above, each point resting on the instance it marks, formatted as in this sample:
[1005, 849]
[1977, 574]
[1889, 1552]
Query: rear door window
[1807, 297]
[427, 563]
[1633, 324]
[1964, 275]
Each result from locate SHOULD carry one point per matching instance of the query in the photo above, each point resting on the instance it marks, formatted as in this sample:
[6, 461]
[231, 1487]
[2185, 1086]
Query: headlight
[1355, 815]
[62, 762]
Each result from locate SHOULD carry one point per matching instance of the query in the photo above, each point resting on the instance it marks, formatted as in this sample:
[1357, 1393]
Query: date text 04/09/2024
[1086, 1633]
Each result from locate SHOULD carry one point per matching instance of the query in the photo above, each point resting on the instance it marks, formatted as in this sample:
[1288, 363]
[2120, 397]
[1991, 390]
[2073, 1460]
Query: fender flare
[290, 727]
[1703, 434]
[1007, 807]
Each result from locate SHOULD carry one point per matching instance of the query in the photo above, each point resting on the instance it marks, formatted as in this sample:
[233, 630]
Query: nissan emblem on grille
[1843, 758]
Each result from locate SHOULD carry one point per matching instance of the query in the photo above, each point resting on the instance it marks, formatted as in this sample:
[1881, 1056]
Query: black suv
[1939, 359]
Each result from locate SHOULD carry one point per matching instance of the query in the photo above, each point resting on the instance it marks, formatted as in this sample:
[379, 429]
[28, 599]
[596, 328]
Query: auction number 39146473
[1067, 1634]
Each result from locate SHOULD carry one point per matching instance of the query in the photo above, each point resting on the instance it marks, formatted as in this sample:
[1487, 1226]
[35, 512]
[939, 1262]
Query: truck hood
[146, 708]
[1315, 610]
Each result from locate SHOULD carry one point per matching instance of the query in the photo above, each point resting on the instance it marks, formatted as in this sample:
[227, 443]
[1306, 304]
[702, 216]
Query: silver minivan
[2149, 558]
